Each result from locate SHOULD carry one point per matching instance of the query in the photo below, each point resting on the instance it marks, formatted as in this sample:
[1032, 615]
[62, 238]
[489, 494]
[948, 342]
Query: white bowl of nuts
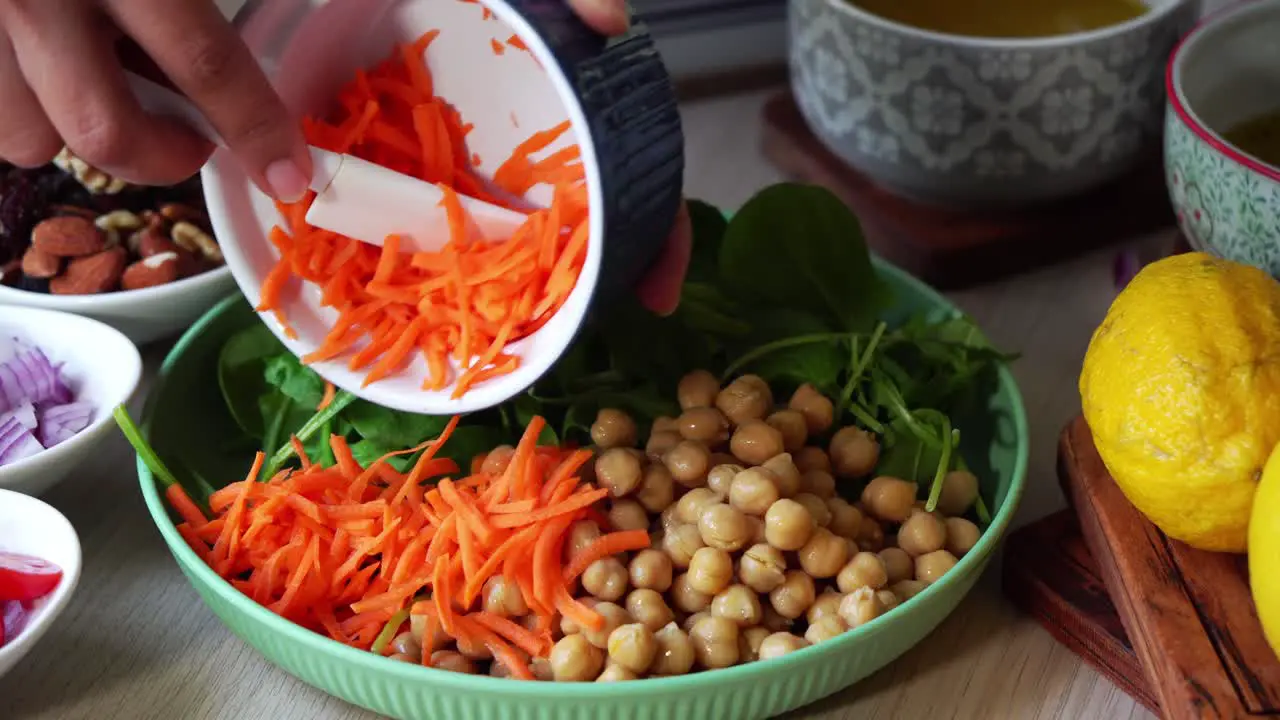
[142, 260]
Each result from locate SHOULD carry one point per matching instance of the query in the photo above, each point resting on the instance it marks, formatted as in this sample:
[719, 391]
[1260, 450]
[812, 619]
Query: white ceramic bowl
[959, 120]
[102, 367]
[32, 527]
[142, 315]
[1226, 71]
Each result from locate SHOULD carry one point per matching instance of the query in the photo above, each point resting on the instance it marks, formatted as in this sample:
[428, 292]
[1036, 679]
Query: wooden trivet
[952, 248]
[1049, 573]
[1188, 613]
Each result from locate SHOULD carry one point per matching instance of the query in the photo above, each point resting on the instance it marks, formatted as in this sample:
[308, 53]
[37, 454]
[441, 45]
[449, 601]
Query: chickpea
[418, 625]
[786, 475]
[657, 490]
[664, 423]
[581, 534]
[870, 534]
[715, 642]
[828, 603]
[861, 607]
[907, 589]
[819, 483]
[753, 491]
[684, 597]
[406, 644]
[962, 535]
[675, 652]
[738, 603]
[755, 442]
[693, 619]
[496, 462]
[931, 567]
[889, 498]
[698, 389]
[774, 621]
[749, 641]
[846, 519]
[788, 525]
[922, 534]
[791, 425]
[624, 514]
[723, 526]
[810, 458]
[854, 453]
[817, 508]
[613, 428]
[720, 478]
[573, 659]
[779, 644]
[474, 649]
[824, 555]
[690, 506]
[499, 669]
[680, 543]
[817, 409]
[959, 491]
[649, 608]
[614, 615]
[828, 627]
[401, 657]
[704, 424]
[614, 672]
[888, 599]
[898, 564]
[793, 597]
[865, 569]
[661, 442]
[618, 471]
[710, 571]
[502, 597]
[755, 524]
[453, 662]
[651, 569]
[606, 579]
[745, 399]
[762, 568]
[689, 462]
[632, 646]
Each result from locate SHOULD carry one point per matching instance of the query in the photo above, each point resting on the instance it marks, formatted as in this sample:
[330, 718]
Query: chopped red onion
[17, 441]
[27, 376]
[13, 617]
[60, 422]
[26, 414]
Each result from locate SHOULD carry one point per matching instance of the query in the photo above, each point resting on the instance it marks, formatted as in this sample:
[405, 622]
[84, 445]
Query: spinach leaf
[392, 429]
[290, 377]
[469, 441]
[526, 407]
[241, 375]
[708, 226]
[798, 247]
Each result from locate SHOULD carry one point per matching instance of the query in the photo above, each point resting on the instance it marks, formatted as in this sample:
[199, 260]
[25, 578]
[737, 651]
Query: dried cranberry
[21, 207]
[30, 284]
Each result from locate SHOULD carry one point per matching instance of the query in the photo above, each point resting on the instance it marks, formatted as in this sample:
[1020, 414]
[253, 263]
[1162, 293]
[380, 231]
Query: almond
[158, 269]
[91, 274]
[68, 236]
[154, 242]
[39, 264]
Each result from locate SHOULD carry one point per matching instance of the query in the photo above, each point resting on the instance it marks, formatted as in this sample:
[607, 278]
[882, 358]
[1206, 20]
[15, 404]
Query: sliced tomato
[25, 578]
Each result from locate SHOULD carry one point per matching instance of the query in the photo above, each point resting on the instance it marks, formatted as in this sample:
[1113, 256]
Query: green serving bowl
[185, 419]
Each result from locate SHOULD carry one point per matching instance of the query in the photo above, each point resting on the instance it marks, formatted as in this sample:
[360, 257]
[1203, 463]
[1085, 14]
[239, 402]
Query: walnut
[190, 237]
[93, 179]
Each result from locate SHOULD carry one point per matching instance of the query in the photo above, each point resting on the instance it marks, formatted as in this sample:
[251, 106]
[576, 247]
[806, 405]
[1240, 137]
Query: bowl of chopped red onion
[61, 375]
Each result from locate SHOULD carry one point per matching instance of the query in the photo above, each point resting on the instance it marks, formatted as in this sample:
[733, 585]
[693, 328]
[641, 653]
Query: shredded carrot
[348, 551]
[466, 302]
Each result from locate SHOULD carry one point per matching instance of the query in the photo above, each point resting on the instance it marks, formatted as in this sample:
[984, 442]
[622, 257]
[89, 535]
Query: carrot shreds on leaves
[351, 551]
[456, 309]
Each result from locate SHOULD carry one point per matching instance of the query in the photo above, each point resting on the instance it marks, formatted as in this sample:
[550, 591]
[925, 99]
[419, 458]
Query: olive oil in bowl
[1258, 138]
[1005, 18]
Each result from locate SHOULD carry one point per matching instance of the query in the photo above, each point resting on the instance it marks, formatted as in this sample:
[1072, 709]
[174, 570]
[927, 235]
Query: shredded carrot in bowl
[472, 298]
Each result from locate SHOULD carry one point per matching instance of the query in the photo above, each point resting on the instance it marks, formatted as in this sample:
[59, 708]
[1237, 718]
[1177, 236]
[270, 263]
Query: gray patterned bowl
[953, 119]
[1225, 72]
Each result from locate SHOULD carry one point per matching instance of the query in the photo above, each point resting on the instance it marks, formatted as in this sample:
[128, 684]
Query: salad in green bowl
[731, 511]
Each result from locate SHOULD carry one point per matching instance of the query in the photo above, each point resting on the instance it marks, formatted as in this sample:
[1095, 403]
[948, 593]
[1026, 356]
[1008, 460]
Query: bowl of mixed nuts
[141, 259]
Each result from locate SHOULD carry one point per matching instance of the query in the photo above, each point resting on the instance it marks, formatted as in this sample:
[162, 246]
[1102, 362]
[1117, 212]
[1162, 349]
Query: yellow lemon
[1264, 551]
[1181, 388]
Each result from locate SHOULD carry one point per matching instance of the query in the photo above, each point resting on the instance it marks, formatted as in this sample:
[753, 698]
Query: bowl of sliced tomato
[39, 569]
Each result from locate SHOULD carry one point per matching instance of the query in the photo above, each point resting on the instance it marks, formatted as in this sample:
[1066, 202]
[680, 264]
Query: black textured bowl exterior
[630, 105]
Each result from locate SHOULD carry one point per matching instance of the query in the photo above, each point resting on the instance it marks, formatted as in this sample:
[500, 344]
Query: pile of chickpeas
[755, 553]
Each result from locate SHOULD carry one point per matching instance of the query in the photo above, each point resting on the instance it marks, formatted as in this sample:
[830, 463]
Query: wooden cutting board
[1050, 575]
[1188, 613]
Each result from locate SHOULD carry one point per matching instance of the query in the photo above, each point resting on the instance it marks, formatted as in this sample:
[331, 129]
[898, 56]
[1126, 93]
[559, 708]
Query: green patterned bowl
[185, 420]
[1224, 73]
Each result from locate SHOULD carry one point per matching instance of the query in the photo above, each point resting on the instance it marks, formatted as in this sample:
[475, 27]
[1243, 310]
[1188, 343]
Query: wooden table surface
[137, 643]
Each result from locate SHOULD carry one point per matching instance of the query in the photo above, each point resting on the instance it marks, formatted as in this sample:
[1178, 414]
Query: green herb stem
[944, 465]
[980, 509]
[317, 421]
[133, 434]
[388, 633]
[768, 348]
[861, 363]
[865, 418]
